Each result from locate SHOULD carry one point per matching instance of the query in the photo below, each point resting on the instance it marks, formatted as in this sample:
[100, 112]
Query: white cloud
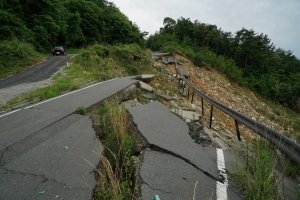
[276, 18]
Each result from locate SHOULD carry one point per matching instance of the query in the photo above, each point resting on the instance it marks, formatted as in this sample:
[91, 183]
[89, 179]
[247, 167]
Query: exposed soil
[198, 134]
[217, 86]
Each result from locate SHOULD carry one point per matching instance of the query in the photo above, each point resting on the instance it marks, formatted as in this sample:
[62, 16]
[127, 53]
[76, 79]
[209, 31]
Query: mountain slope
[241, 99]
[73, 23]
[247, 57]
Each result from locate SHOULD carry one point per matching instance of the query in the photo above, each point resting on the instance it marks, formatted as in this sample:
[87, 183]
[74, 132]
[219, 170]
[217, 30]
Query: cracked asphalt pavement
[47, 151]
[174, 167]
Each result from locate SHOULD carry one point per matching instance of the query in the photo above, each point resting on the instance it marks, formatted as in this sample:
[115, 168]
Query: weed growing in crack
[80, 110]
[117, 168]
[257, 173]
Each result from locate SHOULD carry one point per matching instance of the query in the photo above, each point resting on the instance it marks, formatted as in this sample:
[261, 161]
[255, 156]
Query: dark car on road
[56, 51]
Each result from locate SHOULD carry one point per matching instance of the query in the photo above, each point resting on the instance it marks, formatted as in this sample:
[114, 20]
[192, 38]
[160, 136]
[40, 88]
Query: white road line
[28, 107]
[9, 113]
[221, 187]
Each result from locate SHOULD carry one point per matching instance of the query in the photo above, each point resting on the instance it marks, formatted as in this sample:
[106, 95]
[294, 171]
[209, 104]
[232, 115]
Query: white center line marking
[221, 187]
[28, 107]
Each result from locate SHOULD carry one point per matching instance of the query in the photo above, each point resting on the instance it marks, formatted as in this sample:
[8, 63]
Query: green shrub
[104, 58]
[15, 56]
[204, 57]
[80, 110]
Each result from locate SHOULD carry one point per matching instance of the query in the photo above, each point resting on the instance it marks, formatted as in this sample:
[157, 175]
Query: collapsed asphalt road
[174, 167]
[47, 151]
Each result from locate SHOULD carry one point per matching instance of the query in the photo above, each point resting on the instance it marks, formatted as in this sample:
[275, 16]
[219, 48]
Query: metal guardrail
[283, 143]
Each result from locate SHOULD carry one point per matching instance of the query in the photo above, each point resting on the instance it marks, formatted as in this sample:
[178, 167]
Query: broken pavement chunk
[146, 87]
[146, 77]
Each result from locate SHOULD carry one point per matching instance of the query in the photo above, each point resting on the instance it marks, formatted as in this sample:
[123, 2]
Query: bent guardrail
[284, 144]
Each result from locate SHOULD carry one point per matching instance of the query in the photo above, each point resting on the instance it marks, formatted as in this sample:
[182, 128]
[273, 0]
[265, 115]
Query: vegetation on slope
[30, 26]
[14, 55]
[246, 57]
[74, 23]
[92, 64]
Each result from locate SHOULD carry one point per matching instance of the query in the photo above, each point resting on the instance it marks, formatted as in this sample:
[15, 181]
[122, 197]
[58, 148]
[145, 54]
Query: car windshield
[58, 48]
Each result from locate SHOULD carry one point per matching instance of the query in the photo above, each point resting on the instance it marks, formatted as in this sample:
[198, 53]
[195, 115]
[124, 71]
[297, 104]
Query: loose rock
[189, 116]
[146, 87]
[198, 134]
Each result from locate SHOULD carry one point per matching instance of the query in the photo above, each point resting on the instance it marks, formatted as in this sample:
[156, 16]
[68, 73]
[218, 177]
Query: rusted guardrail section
[283, 143]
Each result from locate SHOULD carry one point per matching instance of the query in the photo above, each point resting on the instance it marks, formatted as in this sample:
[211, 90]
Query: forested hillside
[29, 27]
[73, 23]
[246, 57]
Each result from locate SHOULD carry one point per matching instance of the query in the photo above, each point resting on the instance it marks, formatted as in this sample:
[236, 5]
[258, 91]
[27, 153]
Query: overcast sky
[279, 19]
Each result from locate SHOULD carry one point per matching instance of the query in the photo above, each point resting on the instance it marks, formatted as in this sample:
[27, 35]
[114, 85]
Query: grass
[16, 56]
[93, 64]
[289, 168]
[288, 119]
[117, 169]
[80, 110]
[257, 173]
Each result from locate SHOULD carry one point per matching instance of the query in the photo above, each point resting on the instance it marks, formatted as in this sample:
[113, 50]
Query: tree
[247, 57]
[75, 36]
[74, 23]
[169, 24]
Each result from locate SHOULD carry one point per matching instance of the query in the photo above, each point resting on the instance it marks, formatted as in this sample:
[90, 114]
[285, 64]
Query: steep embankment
[217, 86]
[247, 57]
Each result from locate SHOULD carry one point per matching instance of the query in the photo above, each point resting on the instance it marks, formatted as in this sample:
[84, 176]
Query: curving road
[37, 76]
[38, 72]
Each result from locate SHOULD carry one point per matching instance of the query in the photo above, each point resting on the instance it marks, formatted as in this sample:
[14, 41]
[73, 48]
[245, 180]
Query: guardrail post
[193, 97]
[211, 115]
[237, 130]
[286, 145]
[183, 87]
[202, 105]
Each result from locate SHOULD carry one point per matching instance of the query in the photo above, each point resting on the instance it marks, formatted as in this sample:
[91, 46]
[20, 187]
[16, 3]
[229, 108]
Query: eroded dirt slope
[241, 99]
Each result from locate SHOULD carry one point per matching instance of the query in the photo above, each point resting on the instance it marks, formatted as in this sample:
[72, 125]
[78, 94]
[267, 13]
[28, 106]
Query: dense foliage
[246, 56]
[72, 23]
[31, 26]
[14, 55]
